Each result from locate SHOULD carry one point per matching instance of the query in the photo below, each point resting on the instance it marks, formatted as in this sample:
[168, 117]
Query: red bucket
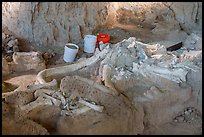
[105, 38]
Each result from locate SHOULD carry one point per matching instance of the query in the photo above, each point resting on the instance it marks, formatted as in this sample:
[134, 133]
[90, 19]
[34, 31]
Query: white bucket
[70, 51]
[90, 43]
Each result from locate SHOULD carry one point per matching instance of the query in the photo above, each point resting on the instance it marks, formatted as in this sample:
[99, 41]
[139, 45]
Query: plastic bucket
[70, 52]
[105, 38]
[90, 43]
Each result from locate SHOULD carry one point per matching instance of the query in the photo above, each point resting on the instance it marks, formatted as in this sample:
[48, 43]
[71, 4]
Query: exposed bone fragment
[177, 75]
[25, 61]
[105, 61]
[81, 110]
[52, 84]
[107, 77]
[38, 102]
[39, 93]
[75, 111]
[95, 107]
[46, 91]
[190, 55]
[60, 96]
[42, 75]
[188, 65]
[96, 85]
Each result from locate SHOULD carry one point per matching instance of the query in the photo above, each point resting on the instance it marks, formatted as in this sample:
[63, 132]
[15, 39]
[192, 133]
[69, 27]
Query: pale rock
[5, 67]
[25, 61]
[193, 41]
[3, 36]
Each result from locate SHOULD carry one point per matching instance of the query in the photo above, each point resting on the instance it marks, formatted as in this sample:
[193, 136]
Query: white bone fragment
[39, 93]
[38, 102]
[65, 112]
[42, 75]
[75, 111]
[66, 105]
[95, 107]
[46, 91]
[60, 96]
[188, 65]
[177, 75]
[107, 77]
[105, 61]
[81, 110]
[52, 84]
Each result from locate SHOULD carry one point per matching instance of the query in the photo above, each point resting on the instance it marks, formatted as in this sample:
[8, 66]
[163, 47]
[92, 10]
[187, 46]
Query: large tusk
[42, 75]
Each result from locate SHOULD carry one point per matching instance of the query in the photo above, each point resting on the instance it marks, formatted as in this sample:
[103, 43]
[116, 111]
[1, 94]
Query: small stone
[3, 36]
[8, 58]
[189, 110]
[185, 121]
[11, 43]
[175, 120]
[81, 59]
[186, 112]
[180, 119]
[9, 51]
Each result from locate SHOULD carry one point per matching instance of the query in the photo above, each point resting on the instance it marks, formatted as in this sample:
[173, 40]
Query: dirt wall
[47, 24]
[53, 24]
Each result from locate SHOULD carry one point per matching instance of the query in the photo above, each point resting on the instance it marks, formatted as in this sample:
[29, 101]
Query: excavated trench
[133, 86]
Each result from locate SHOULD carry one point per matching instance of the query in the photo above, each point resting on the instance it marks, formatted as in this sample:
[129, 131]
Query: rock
[81, 19]
[81, 59]
[189, 110]
[5, 67]
[46, 115]
[193, 42]
[180, 118]
[12, 43]
[75, 33]
[25, 127]
[19, 98]
[177, 75]
[9, 44]
[194, 79]
[3, 36]
[186, 112]
[24, 61]
[186, 14]
[48, 55]
[164, 28]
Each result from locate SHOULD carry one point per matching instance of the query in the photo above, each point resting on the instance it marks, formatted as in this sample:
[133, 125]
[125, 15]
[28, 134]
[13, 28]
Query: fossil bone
[93, 106]
[42, 75]
[38, 102]
[107, 77]
[52, 84]
[96, 85]
[46, 91]
[76, 111]
[39, 93]
[60, 96]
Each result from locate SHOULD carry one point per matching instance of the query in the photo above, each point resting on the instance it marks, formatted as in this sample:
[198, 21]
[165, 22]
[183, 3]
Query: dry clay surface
[135, 110]
[118, 117]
